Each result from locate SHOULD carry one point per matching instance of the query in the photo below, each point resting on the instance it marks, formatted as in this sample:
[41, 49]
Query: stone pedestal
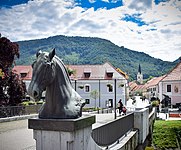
[62, 134]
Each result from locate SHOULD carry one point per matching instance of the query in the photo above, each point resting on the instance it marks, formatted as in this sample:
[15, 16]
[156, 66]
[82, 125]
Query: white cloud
[138, 5]
[160, 38]
[107, 1]
[92, 1]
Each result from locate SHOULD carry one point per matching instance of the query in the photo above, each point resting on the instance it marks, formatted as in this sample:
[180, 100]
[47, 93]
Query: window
[87, 88]
[86, 75]
[169, 88]
[109, 74]
[87, 101]
[110, 87]
[110, 103]
[23, 75]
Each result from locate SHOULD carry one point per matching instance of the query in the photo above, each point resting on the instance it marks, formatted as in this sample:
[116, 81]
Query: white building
[109, 83]
[153, 87]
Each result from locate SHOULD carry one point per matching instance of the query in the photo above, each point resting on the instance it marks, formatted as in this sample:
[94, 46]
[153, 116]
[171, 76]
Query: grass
[166, 134]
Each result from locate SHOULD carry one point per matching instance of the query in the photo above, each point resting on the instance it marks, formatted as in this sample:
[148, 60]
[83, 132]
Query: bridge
[126, 132]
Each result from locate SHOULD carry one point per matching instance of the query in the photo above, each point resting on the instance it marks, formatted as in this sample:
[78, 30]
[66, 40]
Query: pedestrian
[158, 107]
[120, 106]
[124, 110]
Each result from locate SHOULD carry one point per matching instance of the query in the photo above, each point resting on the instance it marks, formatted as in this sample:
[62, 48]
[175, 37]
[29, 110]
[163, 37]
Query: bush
[149, 148]
[40, 102]
[155, 103]
[90, 109]
[27, 103]
[31, 103]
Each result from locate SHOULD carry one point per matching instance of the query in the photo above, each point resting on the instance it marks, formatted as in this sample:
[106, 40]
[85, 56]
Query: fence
[10, 111]
[108, 134]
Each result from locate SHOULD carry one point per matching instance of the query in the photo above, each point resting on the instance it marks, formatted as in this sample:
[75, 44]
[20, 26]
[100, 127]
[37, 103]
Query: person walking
[120, 106]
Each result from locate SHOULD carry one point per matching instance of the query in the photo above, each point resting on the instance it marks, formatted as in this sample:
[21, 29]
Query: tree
[71, 71]
[72, 59]
[8, 51]
[94, 94]
[12, 88]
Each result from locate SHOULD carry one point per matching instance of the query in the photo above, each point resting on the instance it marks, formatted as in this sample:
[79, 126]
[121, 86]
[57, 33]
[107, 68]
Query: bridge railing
[10, 111]
[111, 132]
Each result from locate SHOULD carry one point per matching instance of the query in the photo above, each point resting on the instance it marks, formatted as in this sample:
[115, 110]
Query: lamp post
[75, 84]
[114, 98]
[99, 93]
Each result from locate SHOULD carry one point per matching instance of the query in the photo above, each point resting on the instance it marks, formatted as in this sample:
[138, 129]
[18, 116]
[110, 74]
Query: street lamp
[115, 99]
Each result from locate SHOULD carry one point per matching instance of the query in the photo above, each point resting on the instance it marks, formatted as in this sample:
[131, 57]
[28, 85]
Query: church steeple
[139, 75]
[139, 69]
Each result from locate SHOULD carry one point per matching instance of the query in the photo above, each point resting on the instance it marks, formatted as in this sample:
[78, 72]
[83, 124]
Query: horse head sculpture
[61, 100]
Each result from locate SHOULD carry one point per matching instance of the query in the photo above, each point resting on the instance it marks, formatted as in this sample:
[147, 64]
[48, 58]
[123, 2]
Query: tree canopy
[12, 88]
[8, 51]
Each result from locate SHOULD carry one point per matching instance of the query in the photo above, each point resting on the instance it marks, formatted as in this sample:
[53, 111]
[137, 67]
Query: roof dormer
[87, 72]
[109, 73]
[23, 73]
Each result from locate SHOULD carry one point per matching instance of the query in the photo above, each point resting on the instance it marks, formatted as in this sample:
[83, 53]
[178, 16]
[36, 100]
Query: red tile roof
[154, 81]
[26, 70]
[96, 71]
[174, 74]
[132, 85]
[136, 87]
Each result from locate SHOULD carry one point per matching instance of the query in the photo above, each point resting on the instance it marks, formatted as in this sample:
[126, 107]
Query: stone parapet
[56, 134]
[66, 125]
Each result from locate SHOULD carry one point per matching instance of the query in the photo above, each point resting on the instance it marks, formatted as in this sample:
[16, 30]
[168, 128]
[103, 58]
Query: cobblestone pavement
[15, 135]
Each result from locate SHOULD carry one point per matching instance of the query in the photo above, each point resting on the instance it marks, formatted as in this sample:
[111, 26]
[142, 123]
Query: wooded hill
[87, 50]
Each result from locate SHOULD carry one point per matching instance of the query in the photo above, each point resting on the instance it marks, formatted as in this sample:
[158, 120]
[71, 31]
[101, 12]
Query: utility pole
[115, 99]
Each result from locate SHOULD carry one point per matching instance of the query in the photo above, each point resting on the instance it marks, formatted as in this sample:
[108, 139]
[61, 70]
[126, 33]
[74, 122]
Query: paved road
[15, 135]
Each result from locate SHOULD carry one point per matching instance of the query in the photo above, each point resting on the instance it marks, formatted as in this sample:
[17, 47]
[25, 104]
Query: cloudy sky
[150, 26]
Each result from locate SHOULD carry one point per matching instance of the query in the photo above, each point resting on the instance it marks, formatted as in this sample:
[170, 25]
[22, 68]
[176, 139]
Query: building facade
[170, 85]
[109, 83]
[153, 88]
[100, 85]
[25, 73]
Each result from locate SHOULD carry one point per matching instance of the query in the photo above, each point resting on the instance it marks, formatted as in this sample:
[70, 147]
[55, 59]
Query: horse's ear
[38, 53]
[51, 54]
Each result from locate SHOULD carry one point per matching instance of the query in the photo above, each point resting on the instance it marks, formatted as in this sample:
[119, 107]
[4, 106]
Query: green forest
[87, 50]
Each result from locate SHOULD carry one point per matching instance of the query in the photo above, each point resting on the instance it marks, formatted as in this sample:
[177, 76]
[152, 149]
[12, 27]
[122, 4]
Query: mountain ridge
[93, 50]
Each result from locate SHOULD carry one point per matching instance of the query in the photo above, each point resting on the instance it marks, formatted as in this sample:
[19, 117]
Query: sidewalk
[16, 131]
[15, 118]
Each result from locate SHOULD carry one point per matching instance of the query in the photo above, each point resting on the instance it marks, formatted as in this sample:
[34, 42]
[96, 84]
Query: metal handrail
[10, 111]
[111, 132]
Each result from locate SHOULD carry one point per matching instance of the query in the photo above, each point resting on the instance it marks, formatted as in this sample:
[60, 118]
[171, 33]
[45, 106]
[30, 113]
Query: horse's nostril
[35, 93]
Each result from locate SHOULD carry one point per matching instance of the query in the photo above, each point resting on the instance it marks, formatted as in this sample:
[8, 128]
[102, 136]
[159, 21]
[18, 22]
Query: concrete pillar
[62, 134]
[141, 122]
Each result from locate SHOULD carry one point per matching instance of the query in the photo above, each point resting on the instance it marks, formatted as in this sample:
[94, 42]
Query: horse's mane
[60, 65]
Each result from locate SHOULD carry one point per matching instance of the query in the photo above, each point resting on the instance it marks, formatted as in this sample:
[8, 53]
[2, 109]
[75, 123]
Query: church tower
[139, 76]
